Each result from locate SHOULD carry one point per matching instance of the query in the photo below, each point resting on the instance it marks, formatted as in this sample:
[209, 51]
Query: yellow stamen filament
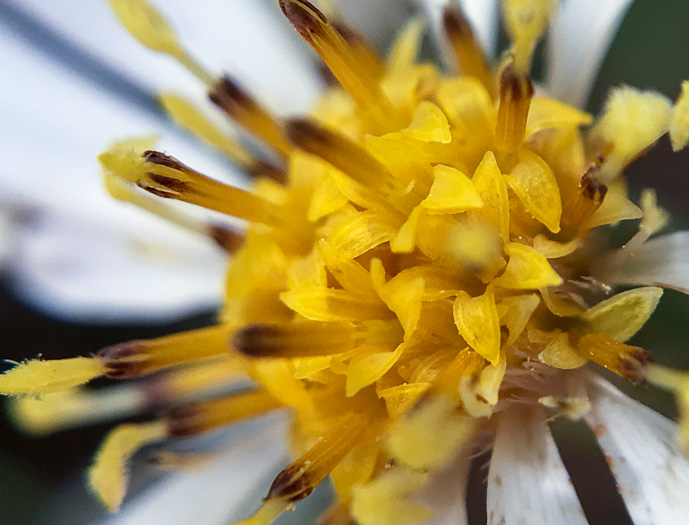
[108, 474]
[199, 418]
[139, 358]
[626, 361]
[150, 28]
[241, 107]
[467, 50]
[338, 55]
[363, 52]
[187, 116]
[76, 407]
[516, 91]
[38, 377]
[166, 177]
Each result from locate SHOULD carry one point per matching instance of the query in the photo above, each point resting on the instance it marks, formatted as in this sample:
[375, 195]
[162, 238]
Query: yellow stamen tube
[516, 91]
[467, 51]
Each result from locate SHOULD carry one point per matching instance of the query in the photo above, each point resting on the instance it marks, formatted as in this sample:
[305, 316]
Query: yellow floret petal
[451, 192]
[435, 421]
[536, 186]
[108, 474]
[559, 353]
[406, 47]
[615, 208]
[621, 316]
[519, 311]
[478, 323]
[384, 501]
[547, 113]
[679, 125]
[38, 377]
[527, 269]
[368, 368]
[490, 186]
[429, 124]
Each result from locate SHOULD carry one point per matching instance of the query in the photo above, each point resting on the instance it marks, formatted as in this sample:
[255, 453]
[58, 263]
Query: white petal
[49, 164]
[121, 267]
[212, 494]
[579, 39]
[482, 15]
[246, 38]
[527, 481]
[663, 261]
[652, 474]
[445, 494]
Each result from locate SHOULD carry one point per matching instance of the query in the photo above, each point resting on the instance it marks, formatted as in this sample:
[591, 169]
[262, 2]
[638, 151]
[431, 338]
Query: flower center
[417, 254]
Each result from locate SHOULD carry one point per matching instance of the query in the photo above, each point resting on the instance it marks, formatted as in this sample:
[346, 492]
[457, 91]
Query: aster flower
[422, 276]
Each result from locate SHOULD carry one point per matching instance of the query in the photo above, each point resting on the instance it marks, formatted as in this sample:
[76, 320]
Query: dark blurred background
[42, 477]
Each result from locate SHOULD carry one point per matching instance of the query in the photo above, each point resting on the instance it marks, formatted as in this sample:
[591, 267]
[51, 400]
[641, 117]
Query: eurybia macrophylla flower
[422, 274]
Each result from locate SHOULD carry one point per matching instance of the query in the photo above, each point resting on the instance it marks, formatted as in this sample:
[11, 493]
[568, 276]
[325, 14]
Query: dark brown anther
[229, 96]
[161, 159]
[633, 365]
[228, 239]
[590, 188]
[338, 150]
[292, 485]
[304, 16]
[239, 105]
[467, 51]
[257, 340]
[266, 170]
[171, 184]
[516, 91]
[123, 361]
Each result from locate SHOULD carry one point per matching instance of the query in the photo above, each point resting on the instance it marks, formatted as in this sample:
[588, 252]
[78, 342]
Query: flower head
[421, 275]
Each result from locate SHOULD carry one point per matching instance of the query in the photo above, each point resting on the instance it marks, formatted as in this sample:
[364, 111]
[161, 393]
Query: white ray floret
[579, 39]
[663, 261]
[650, 470]
[211, 493]
[527, 481]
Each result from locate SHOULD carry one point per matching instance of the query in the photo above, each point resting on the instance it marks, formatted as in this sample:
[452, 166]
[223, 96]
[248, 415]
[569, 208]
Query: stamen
[308, 339]
[303, 475]
[108, 474]
[75, 408]
[626, 361]
[360, 82]
[516, 91]
[525, 21]
[467, 50]
[185, 115]
[199, 418]
[345, 155]
[241, 107]
[38, 377]
[168, 178]
[148, 26]
[143, 357]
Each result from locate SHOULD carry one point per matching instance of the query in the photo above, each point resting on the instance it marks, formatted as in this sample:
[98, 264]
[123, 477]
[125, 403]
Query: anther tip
[303, 15]
[290, 485]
